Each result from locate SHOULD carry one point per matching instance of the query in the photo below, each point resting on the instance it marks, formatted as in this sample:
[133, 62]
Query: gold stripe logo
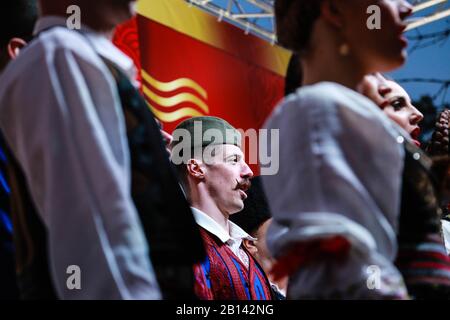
[175, 115]
[198, 106]
[174, 85]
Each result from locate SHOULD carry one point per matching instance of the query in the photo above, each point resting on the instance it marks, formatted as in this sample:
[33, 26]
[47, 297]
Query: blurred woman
[336, 195]
[422, 258]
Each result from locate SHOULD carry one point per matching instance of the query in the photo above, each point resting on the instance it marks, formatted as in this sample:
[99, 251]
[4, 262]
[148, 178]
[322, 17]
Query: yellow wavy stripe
[177, 99]
[175, 115]
[174, 85]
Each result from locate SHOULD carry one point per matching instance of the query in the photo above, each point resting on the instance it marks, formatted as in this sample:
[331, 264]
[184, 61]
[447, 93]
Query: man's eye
[234, 159]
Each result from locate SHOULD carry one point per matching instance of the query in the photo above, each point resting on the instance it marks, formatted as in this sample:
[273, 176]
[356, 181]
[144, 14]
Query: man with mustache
[215, 177]
[91, 182]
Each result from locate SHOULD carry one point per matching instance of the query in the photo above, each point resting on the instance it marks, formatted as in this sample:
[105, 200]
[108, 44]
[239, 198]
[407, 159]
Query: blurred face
[379, 49]
[259, 250]
[105, 15]
[262, 253]
[227, 178]
[394, 101]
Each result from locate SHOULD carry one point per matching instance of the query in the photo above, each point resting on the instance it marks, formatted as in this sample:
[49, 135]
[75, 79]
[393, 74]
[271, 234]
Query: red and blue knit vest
[222, 276]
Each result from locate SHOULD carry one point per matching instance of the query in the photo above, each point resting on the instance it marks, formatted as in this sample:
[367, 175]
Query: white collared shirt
[233, 239]
[60, 113]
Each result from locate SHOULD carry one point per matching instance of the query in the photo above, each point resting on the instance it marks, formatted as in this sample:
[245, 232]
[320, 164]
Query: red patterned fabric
[223, 276]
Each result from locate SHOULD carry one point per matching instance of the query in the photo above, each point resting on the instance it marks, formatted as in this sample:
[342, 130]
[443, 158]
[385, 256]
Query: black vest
[169, 226]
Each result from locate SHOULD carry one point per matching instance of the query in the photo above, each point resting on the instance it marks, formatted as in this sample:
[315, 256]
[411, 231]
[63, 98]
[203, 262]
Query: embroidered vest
[222, 276]
[422, 258]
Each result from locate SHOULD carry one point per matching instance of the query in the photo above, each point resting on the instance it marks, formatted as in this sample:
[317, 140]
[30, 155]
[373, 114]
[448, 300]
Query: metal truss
[428, 11]
[257, 16]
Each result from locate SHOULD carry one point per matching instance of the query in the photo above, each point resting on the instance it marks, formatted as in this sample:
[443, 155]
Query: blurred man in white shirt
[61, 117]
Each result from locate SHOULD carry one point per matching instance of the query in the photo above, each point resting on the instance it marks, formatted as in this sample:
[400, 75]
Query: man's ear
[250, 246]
[332, 13]
[195, 169]
[14, 47]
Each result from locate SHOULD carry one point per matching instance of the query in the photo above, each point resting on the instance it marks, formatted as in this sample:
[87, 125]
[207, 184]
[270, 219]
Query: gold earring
[344, 49]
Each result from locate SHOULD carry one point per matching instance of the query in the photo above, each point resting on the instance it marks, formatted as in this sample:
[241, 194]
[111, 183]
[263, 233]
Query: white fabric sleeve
[446, 234]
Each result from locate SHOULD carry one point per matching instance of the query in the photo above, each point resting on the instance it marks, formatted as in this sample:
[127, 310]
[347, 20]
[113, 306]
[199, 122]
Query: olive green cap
[207, 130]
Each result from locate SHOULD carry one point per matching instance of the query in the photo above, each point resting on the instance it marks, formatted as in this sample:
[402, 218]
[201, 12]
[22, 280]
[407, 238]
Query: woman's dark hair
[294, 75]
[295, 20]
[17, 18]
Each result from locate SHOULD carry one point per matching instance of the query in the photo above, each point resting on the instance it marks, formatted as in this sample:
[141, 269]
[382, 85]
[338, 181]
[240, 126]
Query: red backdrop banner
[191, 64]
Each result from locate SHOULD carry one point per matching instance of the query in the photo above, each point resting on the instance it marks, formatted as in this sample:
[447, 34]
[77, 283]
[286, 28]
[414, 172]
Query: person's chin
[239, 206]
[402, 52]
[391, 63]
[403, 56]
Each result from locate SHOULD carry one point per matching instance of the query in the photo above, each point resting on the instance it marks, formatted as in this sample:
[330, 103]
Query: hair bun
[439, 143]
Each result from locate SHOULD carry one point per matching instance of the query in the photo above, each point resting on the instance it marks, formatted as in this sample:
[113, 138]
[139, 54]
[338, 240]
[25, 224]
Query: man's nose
[246, 172]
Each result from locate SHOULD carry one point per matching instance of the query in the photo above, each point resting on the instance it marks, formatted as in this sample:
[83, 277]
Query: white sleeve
[340, 175]
[66, 129]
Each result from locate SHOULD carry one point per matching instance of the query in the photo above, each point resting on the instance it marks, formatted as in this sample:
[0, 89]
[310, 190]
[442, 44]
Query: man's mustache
[243, 185]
